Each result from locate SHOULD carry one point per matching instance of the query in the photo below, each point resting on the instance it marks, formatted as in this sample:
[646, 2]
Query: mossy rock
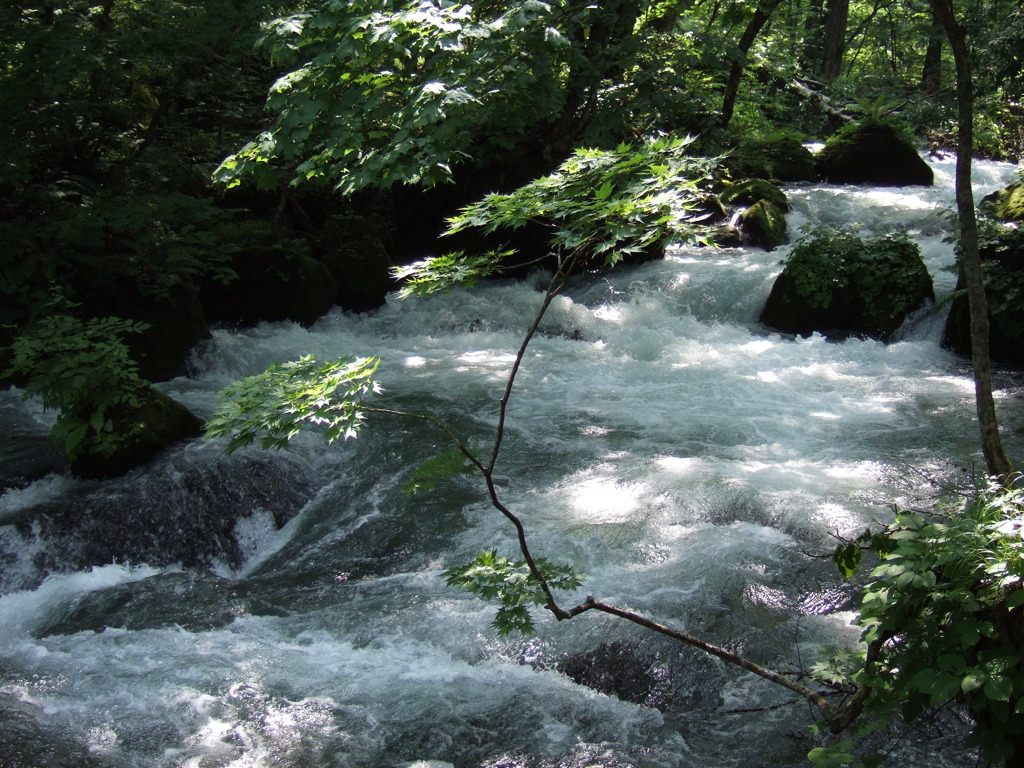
[784, 158]
[272, 284]
[763, 225]
[873, 153]
[1006, 204]
[1002, 259]
[839, 285]
[175, 319]
[750, 191]
[161, 421]
[355, 251]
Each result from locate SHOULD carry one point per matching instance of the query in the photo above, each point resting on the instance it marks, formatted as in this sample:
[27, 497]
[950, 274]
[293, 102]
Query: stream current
[287, 610]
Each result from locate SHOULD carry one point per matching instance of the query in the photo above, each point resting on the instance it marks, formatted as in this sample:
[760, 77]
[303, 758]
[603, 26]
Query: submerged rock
[196, 515]
[621, 670]
[872, 153]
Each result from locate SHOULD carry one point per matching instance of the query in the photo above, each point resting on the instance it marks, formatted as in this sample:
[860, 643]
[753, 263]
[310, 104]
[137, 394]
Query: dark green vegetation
[839, 284]
[144, 193]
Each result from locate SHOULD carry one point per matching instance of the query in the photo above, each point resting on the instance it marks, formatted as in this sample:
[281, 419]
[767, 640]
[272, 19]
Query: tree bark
[837, 15]
[931, 71]
[814, 39]
[996, 460]
[732, 85]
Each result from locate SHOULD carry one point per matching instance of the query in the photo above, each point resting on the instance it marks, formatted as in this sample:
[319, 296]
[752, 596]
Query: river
[287, 610]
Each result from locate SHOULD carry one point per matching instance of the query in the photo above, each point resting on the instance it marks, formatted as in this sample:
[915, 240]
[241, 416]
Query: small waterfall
[281, 611]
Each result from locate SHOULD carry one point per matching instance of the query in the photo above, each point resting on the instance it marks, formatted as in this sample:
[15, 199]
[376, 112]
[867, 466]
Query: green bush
[943, 609]
[826, 262]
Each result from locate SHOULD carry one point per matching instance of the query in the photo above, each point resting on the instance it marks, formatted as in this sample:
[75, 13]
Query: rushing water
[287, 610]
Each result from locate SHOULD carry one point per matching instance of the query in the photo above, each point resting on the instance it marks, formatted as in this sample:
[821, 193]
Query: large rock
[272, 284]
[176, 324]
[1002, 258]
[838, 285]
[355, 251]
[784, 158]
[872, 153]
[750, 191]
[763, 225]
[156, 423]
[1006, 204]
[762, 218]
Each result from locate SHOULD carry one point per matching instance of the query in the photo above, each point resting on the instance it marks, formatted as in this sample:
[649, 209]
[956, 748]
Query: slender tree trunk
[836, 16]
[732, 85]
[970, 260]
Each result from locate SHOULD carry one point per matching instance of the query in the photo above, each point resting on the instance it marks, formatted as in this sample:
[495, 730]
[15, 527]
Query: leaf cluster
[1002, 252]
[83, 370]
[152, 242]
[602, 204]
[274, 406]
[400, 91]
[513, 585]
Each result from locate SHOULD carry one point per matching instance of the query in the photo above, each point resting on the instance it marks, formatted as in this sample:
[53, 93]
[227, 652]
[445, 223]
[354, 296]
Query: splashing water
[287, 611]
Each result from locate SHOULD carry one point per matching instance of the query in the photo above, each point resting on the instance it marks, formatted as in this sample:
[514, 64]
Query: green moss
[764, 224]
[751, 191]
[782, 157]
[873, 153]
[1006, 204]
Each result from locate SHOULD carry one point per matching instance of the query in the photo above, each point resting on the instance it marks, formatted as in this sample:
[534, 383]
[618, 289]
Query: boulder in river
[1002, 260]
[156, 423]
[1006, 204]
[273, 283]
[839, 285]
[784, 158]
[873, 153]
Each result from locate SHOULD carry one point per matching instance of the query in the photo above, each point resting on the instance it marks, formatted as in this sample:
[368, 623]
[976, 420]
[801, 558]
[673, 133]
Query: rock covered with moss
[1006, 204]
[839, 285]
[761, 207]
[355, 249]
[273, 283]
[873, 153]
[146, 427]
[1002, 260]
[781, 157]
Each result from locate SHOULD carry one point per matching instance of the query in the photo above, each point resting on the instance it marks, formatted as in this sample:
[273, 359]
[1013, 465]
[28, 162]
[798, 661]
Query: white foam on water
[687, 459]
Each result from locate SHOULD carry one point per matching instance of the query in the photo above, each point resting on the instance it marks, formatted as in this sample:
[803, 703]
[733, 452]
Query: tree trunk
[931, 72]
[970, 260]
[732, 85]
[836, 16]
[814, 43]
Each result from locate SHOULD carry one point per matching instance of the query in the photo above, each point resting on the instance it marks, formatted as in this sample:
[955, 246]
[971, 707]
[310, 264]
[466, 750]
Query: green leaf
[445, 464]
[998, 688]
[973, 680]
[832, 757]
[846, 558]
